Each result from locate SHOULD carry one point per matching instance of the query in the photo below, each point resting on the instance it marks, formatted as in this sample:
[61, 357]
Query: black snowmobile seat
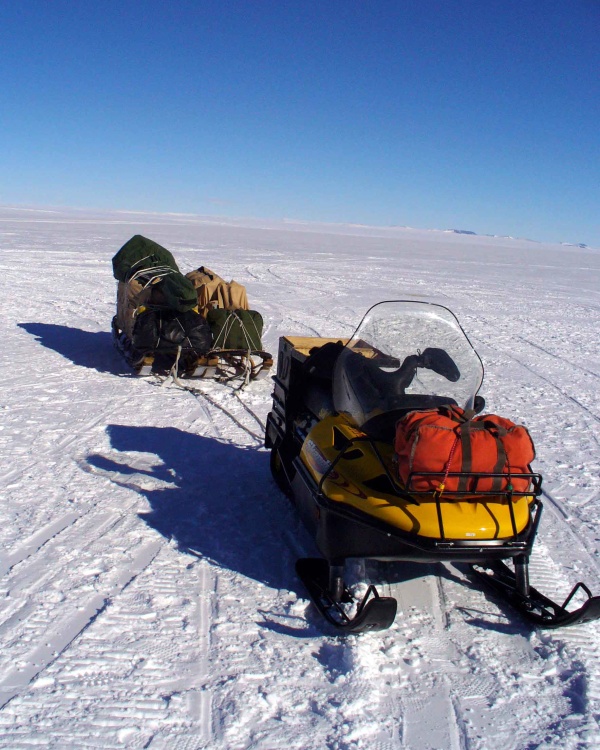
[321, 360]
[365, 388]
[383, 426]
[376, 398]
[398, 380]
[317, 378]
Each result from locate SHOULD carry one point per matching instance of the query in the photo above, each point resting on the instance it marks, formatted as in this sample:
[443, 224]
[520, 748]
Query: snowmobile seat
[317, 378]
[383, 426]
[321, 360]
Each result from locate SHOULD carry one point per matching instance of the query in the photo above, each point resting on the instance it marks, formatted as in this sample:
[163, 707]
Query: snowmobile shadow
[84, 348]
[491, 621]
[213, 499]
[406, 572]
[403, 572]
[502, 622]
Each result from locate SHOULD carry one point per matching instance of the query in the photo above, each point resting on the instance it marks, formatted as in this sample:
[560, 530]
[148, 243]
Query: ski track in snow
[148, 592]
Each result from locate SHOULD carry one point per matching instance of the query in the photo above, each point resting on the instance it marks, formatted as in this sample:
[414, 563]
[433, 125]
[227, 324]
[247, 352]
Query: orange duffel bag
[449, 439]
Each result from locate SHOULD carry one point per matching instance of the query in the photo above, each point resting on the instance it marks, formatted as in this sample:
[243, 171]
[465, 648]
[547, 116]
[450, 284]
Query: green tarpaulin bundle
[142, 264]
[140, 254]
[175, 292]
[236, 329]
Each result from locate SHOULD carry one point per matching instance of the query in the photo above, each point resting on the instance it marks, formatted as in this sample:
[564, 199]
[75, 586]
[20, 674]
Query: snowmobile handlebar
[431, 358]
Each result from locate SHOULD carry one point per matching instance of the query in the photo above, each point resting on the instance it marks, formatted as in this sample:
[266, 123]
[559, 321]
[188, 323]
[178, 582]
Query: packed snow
[149, 598]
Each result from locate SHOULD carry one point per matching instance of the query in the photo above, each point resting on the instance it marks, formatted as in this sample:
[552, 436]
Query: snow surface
[148, 591]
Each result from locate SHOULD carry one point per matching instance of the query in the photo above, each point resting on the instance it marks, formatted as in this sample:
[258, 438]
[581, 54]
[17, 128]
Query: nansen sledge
[196, 325]
[379, 441]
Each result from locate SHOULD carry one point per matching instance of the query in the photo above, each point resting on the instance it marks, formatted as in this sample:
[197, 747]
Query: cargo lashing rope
[232, 318]
[174, 371]
[149, 276]
[442, 485]
[248, 365]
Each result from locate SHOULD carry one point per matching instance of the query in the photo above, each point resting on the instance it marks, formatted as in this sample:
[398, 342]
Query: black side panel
[304, 499]
[273, 432]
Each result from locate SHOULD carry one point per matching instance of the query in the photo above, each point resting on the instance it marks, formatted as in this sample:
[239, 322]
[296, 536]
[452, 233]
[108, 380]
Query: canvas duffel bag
[188, 330]
[175, 292]
[448, 439]
[215, 292]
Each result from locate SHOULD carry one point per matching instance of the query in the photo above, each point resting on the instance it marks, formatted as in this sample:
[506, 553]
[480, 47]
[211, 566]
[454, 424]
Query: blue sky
[469, 114]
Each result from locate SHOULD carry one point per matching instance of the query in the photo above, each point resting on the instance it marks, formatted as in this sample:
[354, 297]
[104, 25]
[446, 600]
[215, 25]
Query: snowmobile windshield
[405, 355]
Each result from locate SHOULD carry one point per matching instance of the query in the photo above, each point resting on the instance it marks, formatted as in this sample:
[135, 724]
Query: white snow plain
[148, 591]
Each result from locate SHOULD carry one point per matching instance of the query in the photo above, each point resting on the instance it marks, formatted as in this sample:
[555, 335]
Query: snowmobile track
[558, 357]
[78, 530]
[25, 580]
[422, 599]
[563, 393]
[202, 394]
[511, 355]
[36, 541]
[565, 522]
[57, 641]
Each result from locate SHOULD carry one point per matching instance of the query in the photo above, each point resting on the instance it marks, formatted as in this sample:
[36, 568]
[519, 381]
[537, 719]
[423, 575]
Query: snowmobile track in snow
[200, 394]
[421, 599]
[558, 356]
[535, 371]
[24, 578]
[36, 541]
[566, 395]
[70, 627]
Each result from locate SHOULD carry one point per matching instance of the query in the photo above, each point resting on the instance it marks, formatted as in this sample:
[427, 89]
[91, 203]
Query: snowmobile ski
[373, 612]
[534, 606]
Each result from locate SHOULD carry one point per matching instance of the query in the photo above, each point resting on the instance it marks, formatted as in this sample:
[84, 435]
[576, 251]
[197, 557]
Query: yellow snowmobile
[331, 431]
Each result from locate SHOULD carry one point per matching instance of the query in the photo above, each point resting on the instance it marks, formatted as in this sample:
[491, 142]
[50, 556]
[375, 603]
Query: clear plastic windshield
[405, 355]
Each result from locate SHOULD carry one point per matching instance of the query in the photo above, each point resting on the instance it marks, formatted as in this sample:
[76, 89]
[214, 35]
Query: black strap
[500, 464]
[467, 455]
[497, 432]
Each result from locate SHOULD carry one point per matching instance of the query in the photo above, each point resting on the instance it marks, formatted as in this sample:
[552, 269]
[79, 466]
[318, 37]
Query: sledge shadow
[213, 499]
[83, 348]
